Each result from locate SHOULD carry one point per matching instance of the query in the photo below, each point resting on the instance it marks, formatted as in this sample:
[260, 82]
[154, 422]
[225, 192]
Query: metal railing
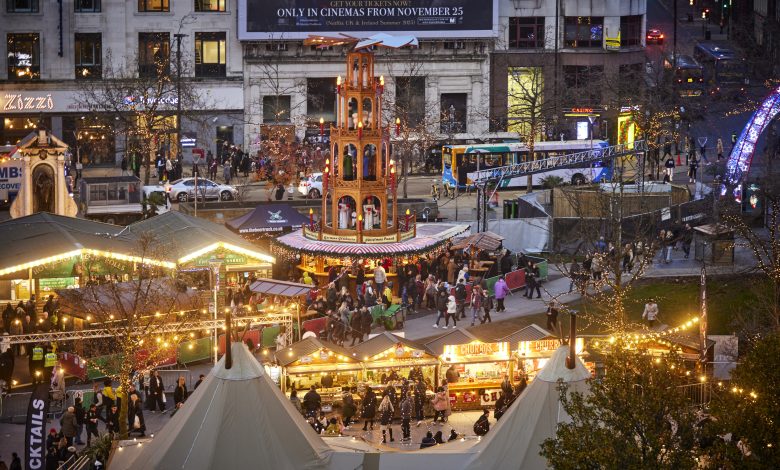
[699, 394]
[553, 163]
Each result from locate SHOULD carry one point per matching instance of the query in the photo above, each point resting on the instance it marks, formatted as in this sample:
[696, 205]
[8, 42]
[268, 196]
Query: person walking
[180, 393]
[349, 409]
[628, 258]
[693, 168]
[552, 317]
[156, 392]
[686, 237]
[69, 425]
[441, 303]
[476, 304]
[406, 417]
[502, 290]
[92, 423]
[109, 398]
[487, 306]
[719, 148]
[226, 171]
[419, 400]
[135, 416]
[380, 277]
[460, 299]
[369, 409]
[386, 411]
[532, 281]
[440, 405]
[669, 170]
[452, 312]
[651, 313]
[296, 401]
[81, 419]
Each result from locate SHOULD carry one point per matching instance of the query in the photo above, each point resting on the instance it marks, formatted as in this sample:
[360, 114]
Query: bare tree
[142, 309]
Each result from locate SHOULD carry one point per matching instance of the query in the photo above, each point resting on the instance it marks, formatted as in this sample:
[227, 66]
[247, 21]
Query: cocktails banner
[296, 19]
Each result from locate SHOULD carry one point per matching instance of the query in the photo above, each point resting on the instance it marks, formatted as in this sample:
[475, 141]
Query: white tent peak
[556, 369]
[245, 367]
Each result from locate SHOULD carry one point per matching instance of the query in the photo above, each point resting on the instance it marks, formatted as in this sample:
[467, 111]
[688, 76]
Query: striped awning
[429, 236]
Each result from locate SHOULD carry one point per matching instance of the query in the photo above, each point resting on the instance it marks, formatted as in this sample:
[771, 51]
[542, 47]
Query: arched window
[368, 114]
[372, 210]
[369, 162]
[349, 162]
[347, 213]
[335, 165]
[352, 117]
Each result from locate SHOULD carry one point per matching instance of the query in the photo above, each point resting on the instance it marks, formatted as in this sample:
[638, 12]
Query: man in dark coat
[356, 327]
[482, 426]
[369, 409]
[366, 321]
[156, 390]
[312, 402]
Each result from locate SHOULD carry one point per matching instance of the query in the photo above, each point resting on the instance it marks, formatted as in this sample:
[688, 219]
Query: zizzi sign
[296, 19]
[25, 102]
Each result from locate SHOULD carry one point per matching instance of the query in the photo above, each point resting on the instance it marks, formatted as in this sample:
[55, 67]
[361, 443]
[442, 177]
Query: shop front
[325, 365]
[475, 371]
[533, 355]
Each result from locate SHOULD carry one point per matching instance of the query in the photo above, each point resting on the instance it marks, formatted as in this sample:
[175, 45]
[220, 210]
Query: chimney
[228, 342]
[572, 357]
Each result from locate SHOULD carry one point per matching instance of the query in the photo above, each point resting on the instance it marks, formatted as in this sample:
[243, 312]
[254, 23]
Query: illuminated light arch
[738, 164]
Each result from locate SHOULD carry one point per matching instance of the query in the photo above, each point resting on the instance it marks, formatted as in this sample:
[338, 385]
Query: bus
[10, 174]
[724, 68]
[687, 74]
[459, 160]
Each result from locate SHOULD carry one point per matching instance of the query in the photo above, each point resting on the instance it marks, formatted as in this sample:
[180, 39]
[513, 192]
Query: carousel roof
[429, 236]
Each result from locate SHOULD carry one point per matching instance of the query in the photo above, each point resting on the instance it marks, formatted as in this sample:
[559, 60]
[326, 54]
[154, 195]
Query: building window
[24, 55]
[525, 98]
[210, 5]
[583, 31]
[410, 99]
[631, 30]
[89, 55]
[526, 32]
[210, 55]
[584, 83]
[321, 99]
[21, 6]
[276, 108]
[87, 6]
[153, 5]
[153, 54]
[453, 112]
[454, 45]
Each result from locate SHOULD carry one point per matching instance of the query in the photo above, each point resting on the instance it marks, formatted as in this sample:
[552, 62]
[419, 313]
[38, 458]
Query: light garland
[87, 252]
[229, 247]
[645, 337]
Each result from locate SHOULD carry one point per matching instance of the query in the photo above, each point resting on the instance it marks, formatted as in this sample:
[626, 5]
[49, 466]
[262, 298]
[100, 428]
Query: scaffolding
[282, 319]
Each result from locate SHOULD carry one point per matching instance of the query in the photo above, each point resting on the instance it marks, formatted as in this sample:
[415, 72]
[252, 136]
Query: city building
[565, 49]
[50, 51]
[766, 21]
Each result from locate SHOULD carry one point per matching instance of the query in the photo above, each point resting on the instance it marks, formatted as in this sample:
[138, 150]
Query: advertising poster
[296, 19]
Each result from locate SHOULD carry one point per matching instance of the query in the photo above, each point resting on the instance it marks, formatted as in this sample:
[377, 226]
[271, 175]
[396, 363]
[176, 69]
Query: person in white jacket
[452, 312]
[651, 313]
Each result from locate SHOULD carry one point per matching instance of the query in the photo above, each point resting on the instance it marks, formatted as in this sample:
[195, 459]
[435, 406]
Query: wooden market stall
[389, 358]
[533, 346]
[315, 362]
[475, 369]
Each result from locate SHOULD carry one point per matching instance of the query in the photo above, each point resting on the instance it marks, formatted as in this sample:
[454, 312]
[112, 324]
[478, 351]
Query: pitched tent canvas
[268, 218]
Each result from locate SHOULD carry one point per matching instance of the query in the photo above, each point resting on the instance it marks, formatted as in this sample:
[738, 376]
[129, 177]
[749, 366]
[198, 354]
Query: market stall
[474, 371]
[315, 362]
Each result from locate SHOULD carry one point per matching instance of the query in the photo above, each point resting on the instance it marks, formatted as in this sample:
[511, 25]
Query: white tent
[237, 418]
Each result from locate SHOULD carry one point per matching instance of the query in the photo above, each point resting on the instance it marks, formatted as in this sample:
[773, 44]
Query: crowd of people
[401, 399]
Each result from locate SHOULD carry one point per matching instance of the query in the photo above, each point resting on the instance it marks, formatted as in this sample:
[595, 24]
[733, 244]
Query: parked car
[655, 36]
[184, 190]
[311, 186]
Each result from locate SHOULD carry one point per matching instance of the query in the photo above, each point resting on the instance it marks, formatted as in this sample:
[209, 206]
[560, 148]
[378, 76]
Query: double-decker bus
[687, 74]
[459, 160]
[725, 69]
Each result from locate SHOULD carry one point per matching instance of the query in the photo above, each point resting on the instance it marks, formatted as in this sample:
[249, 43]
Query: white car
[183, 190]
[311, 186]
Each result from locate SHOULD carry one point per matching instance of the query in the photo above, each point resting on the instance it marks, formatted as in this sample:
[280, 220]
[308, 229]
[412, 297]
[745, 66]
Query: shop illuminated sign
[545, 347]
[26, 102]
[476, 348]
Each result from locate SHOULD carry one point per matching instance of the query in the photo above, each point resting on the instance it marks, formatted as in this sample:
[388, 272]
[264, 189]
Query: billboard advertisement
[297, 19]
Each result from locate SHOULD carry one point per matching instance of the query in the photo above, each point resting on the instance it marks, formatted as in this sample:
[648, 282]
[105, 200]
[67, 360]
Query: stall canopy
[383, 342]
[458, 336]
[268, 218]
[532, 332]
[482, 241]
[314, 351]
[237, 418]
[53, 245]
[280, 288]
[186, 240]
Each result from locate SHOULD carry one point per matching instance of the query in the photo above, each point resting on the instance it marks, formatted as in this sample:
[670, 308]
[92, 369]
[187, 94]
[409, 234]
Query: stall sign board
[230, 259]
[52, 284]
[469, 397]
[477, 350]
[489, 397]
[545, 347]
[382, 239]
[339, 238]
[305, 359]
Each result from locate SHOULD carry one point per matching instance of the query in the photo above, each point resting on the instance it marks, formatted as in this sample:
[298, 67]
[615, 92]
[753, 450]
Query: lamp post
[591, 119]
[179, 37]
[215, 264]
